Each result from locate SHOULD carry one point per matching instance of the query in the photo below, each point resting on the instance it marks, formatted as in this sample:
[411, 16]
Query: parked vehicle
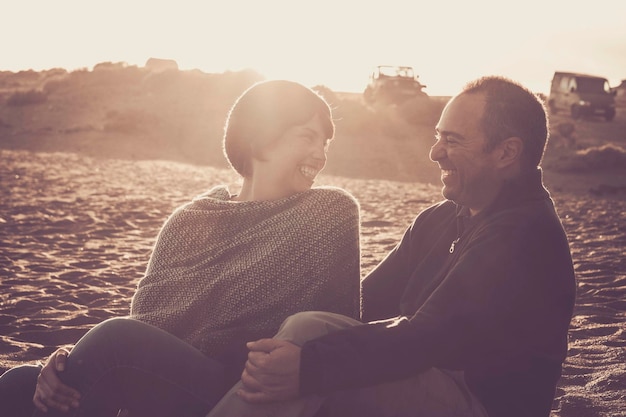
[581, 95]
[393, 85]
[620, 94]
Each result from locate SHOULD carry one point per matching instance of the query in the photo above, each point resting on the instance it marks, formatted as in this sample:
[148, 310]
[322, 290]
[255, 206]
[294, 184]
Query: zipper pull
[454, 242]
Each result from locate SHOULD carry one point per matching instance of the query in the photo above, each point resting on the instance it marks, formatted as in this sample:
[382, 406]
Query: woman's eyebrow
[308, 129]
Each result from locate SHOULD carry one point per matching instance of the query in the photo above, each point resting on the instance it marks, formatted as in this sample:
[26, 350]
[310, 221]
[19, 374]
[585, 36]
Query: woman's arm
[50, 392]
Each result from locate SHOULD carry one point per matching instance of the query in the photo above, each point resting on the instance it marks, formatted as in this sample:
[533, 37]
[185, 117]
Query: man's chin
[447, 193]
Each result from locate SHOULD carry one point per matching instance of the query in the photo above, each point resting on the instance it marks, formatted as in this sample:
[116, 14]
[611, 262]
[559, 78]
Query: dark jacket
[496, 304]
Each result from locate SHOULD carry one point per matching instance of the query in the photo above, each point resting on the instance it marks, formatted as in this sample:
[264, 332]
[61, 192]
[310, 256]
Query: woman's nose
[320, 150]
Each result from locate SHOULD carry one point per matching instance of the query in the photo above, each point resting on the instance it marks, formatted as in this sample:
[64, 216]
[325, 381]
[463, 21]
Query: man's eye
[445, 139]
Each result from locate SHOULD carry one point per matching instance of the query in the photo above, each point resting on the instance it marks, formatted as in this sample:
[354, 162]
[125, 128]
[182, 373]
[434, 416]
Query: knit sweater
[223, 272]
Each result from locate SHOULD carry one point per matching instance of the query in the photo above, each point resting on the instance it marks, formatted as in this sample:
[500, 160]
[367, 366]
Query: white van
[581, 95]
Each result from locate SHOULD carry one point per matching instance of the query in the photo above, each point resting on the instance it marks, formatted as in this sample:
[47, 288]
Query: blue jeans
[126, 364]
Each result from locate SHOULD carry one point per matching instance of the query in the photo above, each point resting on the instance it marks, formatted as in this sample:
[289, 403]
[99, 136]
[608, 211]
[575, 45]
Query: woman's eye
[307, 137]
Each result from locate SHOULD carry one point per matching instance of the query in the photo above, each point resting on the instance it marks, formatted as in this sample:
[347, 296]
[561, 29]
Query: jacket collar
[526, 187]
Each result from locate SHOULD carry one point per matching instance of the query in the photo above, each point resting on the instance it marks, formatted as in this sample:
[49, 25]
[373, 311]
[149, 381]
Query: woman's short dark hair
[263, 113]
[512, 110]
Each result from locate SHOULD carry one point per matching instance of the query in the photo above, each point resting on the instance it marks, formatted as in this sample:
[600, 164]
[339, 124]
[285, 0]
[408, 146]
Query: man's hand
[50, 391]
[272, 372]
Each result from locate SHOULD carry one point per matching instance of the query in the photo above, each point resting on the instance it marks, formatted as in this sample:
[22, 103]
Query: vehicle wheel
[609, 115]
[575, 112]
[552, 107]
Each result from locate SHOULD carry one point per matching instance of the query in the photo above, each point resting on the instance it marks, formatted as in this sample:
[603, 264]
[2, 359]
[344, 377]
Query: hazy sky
[329, 42]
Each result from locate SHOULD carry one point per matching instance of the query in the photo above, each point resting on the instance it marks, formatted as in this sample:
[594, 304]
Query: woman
[226, 269]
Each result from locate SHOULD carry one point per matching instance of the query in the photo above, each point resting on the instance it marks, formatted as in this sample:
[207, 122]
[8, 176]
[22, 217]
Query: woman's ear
[510, 151]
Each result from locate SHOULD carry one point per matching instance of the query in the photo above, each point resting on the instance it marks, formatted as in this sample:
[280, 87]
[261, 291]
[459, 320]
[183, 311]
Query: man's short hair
[512, 110]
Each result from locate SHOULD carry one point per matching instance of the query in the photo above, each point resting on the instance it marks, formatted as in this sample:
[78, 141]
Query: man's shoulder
[533, 212]
[434, 219]
[443, 208]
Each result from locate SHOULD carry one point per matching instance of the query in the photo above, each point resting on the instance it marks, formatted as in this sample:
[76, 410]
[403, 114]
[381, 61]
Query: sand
[87, 178]
[76, 233]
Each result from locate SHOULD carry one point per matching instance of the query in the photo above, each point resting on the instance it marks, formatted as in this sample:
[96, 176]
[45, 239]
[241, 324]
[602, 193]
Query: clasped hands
[272, 372]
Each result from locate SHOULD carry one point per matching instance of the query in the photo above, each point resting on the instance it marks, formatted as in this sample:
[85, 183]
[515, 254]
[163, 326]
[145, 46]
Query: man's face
[468, 173]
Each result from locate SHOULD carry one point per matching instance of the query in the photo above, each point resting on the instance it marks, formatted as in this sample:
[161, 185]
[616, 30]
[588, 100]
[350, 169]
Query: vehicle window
[572, 84]
[591, 85]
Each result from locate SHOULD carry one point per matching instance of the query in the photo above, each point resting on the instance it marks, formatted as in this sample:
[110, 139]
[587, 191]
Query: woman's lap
[125, 363]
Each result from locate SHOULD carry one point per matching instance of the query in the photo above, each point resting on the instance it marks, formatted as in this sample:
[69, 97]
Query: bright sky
[329, 42]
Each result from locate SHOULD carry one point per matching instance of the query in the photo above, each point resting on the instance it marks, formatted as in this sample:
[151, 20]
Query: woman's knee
[106, 338]
[304, 326]
[116, 326]
[114, 330]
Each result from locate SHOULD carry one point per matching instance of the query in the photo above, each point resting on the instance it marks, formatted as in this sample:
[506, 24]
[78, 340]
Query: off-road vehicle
[392, 85]
[581, 95]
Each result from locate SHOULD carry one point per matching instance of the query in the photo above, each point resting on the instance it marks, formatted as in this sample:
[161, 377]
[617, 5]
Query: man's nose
[437, 152]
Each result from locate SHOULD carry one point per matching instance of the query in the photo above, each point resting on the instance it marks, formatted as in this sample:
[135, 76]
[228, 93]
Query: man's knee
[304, 326]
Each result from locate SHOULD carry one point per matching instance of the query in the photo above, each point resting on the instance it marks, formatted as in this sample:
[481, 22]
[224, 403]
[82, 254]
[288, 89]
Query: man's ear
[510, 151]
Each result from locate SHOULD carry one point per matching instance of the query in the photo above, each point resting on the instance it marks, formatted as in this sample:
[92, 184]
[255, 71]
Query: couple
[467, 315]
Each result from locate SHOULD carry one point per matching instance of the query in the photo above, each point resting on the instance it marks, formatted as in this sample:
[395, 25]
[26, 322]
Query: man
[473, 305]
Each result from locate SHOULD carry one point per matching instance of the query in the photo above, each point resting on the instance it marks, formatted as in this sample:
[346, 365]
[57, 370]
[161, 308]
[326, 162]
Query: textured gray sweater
[225, 272]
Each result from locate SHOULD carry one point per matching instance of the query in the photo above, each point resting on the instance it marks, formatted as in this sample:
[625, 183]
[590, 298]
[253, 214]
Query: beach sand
[76, 233]
[87, 178]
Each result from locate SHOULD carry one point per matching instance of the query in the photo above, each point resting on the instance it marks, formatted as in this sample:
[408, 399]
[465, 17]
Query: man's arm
[384, 287]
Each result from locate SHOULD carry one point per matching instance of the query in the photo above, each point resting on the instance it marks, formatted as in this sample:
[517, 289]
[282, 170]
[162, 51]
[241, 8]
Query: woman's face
[291, 163]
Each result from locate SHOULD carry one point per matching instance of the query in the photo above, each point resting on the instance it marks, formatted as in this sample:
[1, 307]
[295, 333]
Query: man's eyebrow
[447, 133]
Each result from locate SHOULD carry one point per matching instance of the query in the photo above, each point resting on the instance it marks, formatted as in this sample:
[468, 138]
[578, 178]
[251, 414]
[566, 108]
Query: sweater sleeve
[337, 245]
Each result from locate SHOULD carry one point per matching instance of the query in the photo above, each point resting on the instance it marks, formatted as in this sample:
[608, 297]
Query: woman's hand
[272, 372]
[50, 391]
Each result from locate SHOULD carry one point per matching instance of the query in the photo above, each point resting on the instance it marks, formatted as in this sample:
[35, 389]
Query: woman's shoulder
[332, 193]
[328, 205]
[218, 193]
